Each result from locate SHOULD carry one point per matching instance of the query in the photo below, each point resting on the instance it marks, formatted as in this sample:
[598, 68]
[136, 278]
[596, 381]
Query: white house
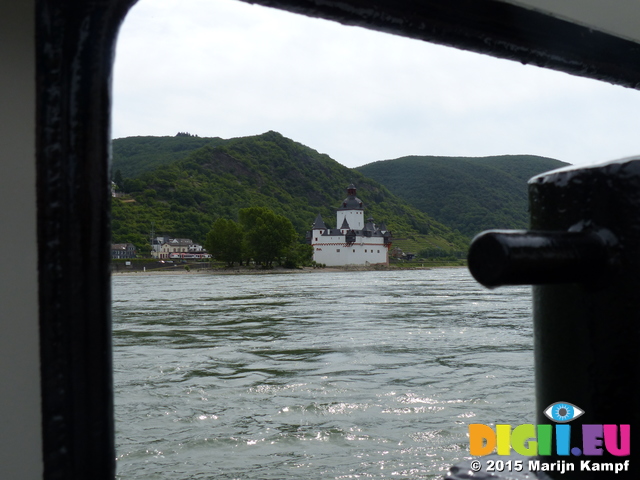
[356, 242]
[163, 246]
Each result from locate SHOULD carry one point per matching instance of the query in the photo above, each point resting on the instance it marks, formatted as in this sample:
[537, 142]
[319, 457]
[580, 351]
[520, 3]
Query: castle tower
[319, 225]
[351, 210]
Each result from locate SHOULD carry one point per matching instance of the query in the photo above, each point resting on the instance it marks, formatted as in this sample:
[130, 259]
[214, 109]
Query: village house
[123, 250]
[162, 247]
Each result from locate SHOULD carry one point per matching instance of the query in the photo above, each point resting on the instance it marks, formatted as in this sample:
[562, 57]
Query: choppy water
[313, 376]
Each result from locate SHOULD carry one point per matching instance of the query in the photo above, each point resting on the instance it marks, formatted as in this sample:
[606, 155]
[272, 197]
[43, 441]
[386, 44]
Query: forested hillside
[135, 155]
[467, 194]
[184, 198]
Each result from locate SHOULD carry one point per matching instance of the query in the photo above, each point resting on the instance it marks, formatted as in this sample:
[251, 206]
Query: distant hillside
[136, 155]
[468, 194]
[185, 197]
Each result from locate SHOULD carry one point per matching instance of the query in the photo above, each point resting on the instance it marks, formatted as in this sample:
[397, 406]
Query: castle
[356, 242]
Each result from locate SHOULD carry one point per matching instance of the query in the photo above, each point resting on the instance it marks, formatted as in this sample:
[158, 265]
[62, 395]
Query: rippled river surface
[313, 375]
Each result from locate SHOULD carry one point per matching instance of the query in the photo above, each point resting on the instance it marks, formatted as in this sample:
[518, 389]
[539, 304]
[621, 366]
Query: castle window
[354, 250]
[337, 249]
[365, 250]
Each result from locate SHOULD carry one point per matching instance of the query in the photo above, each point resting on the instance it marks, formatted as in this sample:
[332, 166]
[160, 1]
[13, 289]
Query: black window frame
[75, 47]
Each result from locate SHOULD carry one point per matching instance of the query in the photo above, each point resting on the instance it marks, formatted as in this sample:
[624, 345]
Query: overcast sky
[224, 68]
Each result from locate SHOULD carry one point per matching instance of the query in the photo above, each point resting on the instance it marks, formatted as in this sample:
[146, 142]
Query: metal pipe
[519, 257]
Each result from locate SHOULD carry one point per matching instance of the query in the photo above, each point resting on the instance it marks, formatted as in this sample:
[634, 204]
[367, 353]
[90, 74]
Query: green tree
[269, 236]
[118, 180]
[225, 241]
[298, 255]
[133, 185]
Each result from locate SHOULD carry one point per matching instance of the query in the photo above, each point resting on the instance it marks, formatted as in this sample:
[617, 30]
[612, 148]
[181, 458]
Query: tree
[133, 185]
[298, 255]
[118, 180]
[225, 241]
[269, 236]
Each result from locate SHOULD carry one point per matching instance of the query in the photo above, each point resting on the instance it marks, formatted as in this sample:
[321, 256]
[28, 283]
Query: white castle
[355, 242]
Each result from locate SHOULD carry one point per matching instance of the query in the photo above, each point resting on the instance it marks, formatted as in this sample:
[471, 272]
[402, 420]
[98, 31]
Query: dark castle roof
[319, 223]
[369, 226]
[351, 202]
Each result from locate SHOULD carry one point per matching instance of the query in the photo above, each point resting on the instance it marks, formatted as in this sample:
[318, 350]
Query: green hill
[184, 197]
[467, 194]
[135, 155]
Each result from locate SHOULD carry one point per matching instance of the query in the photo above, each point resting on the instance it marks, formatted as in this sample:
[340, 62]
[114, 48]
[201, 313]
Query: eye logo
[562, 412]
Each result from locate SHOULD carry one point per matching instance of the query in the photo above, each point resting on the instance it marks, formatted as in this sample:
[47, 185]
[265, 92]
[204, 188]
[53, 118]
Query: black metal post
[583, 258]
[586, 336]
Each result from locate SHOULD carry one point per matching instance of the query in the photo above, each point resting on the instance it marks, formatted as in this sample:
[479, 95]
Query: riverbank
[181, 270]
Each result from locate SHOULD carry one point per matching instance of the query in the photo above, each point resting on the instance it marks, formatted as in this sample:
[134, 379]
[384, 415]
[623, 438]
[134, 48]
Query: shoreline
[276, 271]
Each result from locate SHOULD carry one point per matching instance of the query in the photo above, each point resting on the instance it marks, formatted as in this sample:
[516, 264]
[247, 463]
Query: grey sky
[224, 68]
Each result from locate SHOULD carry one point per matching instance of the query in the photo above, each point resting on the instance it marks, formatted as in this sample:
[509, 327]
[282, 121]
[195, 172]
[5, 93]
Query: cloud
[230, 69]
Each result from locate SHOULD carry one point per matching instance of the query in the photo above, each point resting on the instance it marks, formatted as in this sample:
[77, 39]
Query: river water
[344, 375]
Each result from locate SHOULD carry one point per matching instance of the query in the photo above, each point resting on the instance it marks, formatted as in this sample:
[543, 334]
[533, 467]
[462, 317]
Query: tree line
[260, 236]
